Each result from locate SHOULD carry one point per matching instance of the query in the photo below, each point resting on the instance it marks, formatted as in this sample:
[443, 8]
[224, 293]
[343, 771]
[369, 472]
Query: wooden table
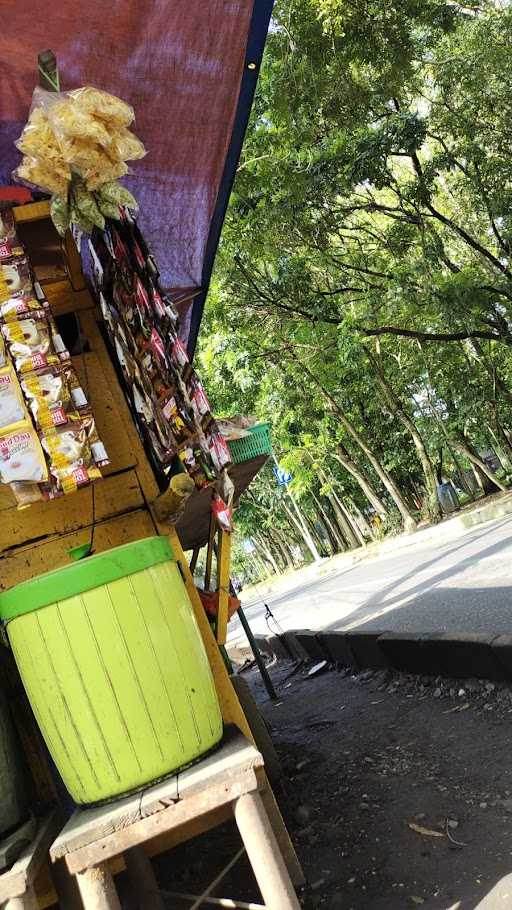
[17, 884]
[228, 779]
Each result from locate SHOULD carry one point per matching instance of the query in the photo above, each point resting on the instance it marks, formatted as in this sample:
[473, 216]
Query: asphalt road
[463, 585]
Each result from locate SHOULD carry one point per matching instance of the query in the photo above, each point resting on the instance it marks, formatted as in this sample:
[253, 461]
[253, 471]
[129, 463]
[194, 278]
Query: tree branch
[434, 336]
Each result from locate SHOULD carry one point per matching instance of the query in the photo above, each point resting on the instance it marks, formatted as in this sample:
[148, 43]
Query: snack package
[51, 175]
[3, 355]
[7, 226]
[54, 396]
[9, 244]
[34, 343]
[26, 493]
[12, 406]
[75, 454]
[218, 448]
[101, 104]
[15, 278]
[21, 456]
[24, 305]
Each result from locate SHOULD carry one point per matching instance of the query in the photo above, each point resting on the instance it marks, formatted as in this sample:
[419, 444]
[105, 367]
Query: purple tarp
[179, 63]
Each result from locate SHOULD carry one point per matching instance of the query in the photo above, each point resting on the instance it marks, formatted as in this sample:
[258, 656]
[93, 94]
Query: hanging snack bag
[12, 406]
[7, 226]
[34, 343]
[21, 456]
[9, 243]
[15, 277]
[18, 307]
[54, 396]
[75, 454]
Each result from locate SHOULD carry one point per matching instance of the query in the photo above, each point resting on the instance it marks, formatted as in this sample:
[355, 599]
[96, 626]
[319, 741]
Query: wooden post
[27, 902]
[230, 706]
[97, 889]
[262, 849]
[142, 880]
[223, 584]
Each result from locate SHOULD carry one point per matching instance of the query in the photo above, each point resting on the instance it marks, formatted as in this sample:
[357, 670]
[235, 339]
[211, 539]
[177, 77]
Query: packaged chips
[21, 456]
[75, 146]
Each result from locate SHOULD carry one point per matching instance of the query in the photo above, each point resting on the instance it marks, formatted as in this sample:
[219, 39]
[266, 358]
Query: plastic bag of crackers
[75, 146]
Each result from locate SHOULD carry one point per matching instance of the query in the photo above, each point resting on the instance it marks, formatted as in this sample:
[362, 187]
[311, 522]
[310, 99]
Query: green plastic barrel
[115, 669]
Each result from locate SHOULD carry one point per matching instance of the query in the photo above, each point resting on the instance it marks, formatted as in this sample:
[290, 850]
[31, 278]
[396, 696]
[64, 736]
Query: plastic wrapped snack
[103, 105]
[15, 278]
[54, 396]
[125, 146]
[21, 456]
[68, 119]
[75, 454]
[51, 175]
[7, 226]
[12, 406]
[24, 305]
[34, 343]
[95, 178]
[38, 139]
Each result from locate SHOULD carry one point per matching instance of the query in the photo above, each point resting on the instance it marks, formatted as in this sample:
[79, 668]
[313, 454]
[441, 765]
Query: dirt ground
[367, 757]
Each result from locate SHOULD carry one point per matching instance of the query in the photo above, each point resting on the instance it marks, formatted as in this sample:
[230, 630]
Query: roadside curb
[451, 654]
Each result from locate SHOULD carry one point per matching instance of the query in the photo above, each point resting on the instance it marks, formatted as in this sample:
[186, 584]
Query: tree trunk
[297, 525]
[353, 534]
[285, 553]
[362, 518]
[345, 459]
[380, 470]
[395, 405]
[267, 552]
[464, 446]
[335, 533]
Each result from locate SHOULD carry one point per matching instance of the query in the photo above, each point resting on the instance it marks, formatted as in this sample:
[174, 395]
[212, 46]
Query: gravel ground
[397, 793]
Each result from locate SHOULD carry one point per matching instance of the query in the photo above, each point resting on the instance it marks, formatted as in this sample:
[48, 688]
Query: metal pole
[267, 682]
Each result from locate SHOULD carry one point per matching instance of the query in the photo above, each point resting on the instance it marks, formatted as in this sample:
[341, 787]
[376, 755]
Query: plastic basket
[258, 443]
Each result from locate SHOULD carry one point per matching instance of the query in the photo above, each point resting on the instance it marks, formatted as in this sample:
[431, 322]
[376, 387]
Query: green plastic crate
[258, 443]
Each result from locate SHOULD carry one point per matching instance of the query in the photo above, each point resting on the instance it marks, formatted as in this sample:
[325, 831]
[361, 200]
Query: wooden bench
[17, 884]
[227, 782]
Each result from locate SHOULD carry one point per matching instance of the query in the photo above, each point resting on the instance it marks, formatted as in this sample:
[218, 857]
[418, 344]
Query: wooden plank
[33, 211]
[194, 526]
[63, 299]
[22, 874]
[110, 420]
[73, 262]
[112, 496]
[236, 756]
[28, 562]
[230, 706]
[171, 818]
[223, 580]
[89, 825]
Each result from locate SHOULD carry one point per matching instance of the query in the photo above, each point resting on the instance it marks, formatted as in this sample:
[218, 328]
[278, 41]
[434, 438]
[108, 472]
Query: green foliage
[362, 296]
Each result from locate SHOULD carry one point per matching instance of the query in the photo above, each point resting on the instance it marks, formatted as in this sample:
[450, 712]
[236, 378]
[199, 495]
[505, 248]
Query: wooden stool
[231, 779]
[17, 884]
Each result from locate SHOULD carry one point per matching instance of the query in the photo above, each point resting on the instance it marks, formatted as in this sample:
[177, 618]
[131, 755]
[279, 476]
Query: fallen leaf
[427, 832]
[417, 900]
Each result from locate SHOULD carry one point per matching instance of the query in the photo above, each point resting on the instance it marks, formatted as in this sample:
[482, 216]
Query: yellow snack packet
[68, 119]
[103, 105]
[21, 456]
[12, 406]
